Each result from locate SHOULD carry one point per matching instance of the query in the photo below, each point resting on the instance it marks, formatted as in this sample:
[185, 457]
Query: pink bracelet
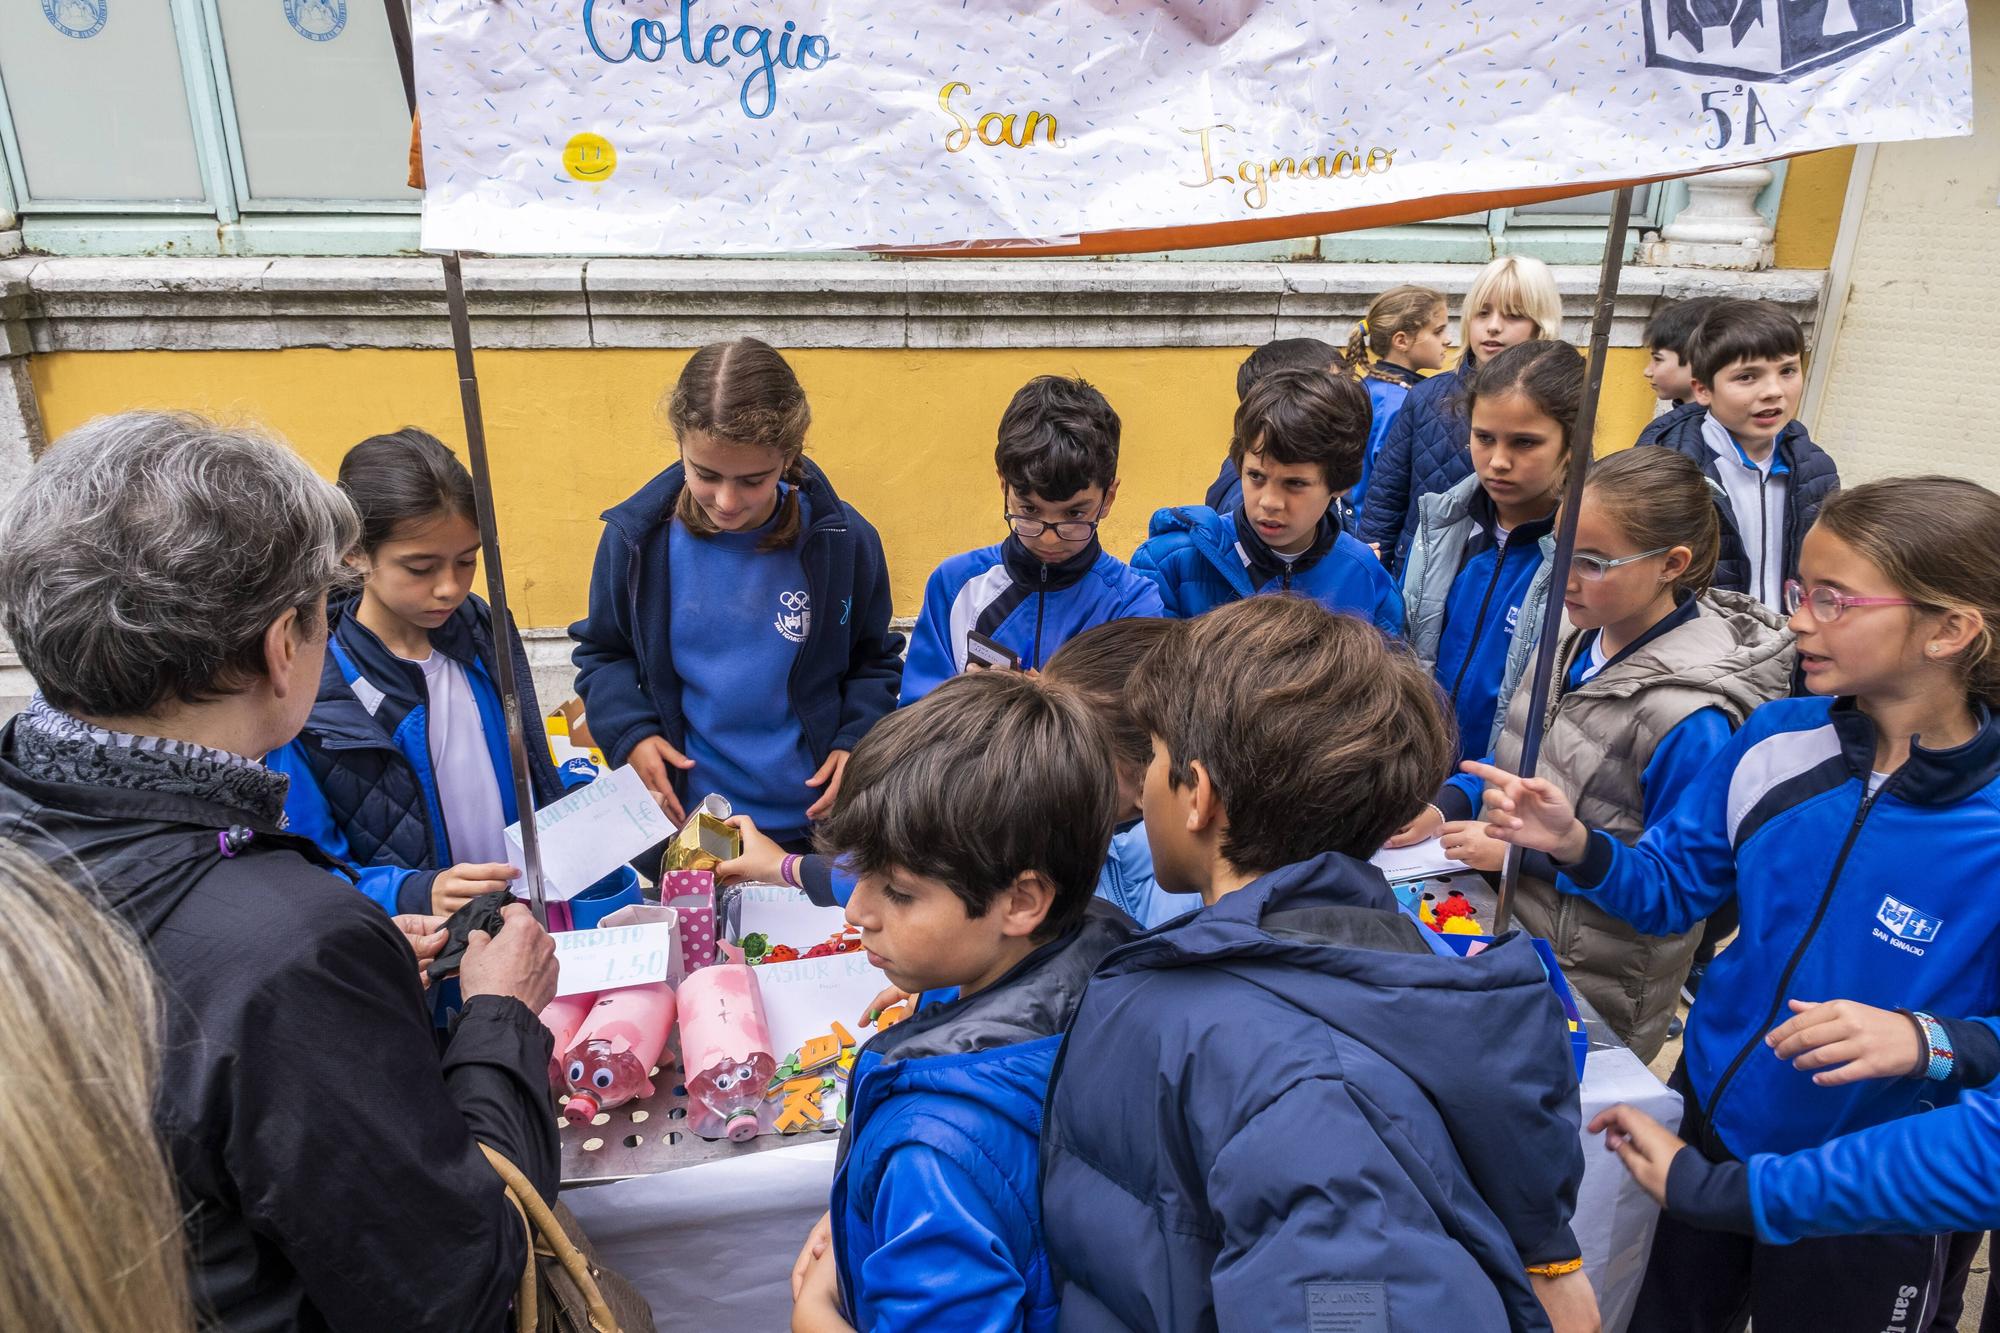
[787, 866]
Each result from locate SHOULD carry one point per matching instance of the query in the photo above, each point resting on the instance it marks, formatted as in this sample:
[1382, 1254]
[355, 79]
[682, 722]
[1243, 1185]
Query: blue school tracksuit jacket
[362, 784]
[1938, 1171]
[936, 1211]
[1200, 560]
[1008, 595]
[1288, 1108]
[847, 670]
[1844, 895]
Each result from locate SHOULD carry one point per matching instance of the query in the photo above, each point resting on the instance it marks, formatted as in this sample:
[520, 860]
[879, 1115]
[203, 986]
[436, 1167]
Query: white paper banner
[705, 126]
[591, 832]
[607, 958]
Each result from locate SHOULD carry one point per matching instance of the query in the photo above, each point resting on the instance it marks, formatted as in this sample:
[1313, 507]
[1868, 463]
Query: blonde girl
[1512, 301]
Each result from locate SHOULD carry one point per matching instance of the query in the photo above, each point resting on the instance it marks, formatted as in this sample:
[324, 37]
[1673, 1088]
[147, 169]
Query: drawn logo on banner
[76, 18]
[794, 615]
[1906, 922]
[317, 20]
[1768, 40]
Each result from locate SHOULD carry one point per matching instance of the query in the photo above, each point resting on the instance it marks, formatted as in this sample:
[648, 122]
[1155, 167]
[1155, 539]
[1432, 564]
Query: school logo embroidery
[1909, 925]
[317, 20]
[1767, 40]
[794, 615]
[76, 18]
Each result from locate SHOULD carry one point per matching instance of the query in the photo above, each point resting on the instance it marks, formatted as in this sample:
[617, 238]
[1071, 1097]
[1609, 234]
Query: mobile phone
[984, 653]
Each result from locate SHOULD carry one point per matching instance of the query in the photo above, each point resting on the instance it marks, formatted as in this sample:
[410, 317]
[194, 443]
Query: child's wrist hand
[1844, 1041]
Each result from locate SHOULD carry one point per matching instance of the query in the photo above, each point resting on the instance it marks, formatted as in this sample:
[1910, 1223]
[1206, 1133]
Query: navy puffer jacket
[1425, 453]
[362, 784]
[1286, 1110]
[1813, 479]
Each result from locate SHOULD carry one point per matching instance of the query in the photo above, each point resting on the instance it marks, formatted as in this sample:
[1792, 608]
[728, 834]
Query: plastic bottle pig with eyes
[726, 1047]
[613, 1054]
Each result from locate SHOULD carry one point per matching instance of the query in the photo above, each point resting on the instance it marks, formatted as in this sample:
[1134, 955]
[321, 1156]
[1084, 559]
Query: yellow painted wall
[1809, 210]
[907, 436]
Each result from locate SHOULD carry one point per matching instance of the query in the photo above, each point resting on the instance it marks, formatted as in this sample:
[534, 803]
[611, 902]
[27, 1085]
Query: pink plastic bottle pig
[562, 1018]
[612, 1054]
[726, 1045]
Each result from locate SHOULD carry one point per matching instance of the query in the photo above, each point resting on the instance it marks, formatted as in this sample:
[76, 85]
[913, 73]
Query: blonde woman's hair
[88, 1217]
[1514, 285]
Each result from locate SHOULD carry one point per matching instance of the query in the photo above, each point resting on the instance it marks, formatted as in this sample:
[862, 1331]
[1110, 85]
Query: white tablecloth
[1614, 1218]
[711, 1247]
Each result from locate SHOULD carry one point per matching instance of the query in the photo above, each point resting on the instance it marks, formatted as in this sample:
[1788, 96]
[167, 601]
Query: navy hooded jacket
[1287, 1107]
[1813, 479]
[936, 1212]
[847, 671]
[1424, 453]
[1841, 898]
[1200, 560]
[362, 784]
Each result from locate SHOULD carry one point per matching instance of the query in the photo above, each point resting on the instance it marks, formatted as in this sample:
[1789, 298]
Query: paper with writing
[592, 831]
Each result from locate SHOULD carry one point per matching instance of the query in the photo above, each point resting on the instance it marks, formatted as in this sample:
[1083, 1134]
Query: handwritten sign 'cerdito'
[710, 126]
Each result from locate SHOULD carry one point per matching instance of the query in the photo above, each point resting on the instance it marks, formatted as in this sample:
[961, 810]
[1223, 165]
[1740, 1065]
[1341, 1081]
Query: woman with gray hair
[164, 580]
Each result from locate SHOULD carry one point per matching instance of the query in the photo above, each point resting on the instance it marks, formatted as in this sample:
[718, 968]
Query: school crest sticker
[794, 615]
[1771, 41]
[76, 18]
[317, 20]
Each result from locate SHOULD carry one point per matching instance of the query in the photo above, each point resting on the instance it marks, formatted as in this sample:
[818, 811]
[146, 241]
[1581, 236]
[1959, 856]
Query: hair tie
[1364, 326]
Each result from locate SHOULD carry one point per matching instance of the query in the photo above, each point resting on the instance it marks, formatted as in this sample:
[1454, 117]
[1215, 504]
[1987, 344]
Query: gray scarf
[52, 746]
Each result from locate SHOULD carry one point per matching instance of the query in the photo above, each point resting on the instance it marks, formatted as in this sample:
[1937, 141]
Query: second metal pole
[1582, 439]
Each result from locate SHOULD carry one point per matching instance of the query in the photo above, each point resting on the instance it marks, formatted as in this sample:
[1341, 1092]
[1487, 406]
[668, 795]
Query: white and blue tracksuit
[1008, 595]
[1845, 894]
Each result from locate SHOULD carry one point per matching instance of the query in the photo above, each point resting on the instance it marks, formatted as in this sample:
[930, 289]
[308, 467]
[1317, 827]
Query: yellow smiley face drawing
[590, 157]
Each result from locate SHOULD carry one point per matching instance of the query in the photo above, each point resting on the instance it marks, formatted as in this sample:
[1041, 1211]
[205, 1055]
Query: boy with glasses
[1014, 604]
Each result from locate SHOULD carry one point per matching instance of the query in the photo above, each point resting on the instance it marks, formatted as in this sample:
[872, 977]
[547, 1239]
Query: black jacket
[325, 1155]
[1813, 479]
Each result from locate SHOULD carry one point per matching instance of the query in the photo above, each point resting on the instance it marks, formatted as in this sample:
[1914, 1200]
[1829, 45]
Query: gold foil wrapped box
[704, 842]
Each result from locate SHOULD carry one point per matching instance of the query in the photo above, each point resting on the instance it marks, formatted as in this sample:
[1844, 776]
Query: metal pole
[399, 36]
[1581, 441]
[496, 584]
